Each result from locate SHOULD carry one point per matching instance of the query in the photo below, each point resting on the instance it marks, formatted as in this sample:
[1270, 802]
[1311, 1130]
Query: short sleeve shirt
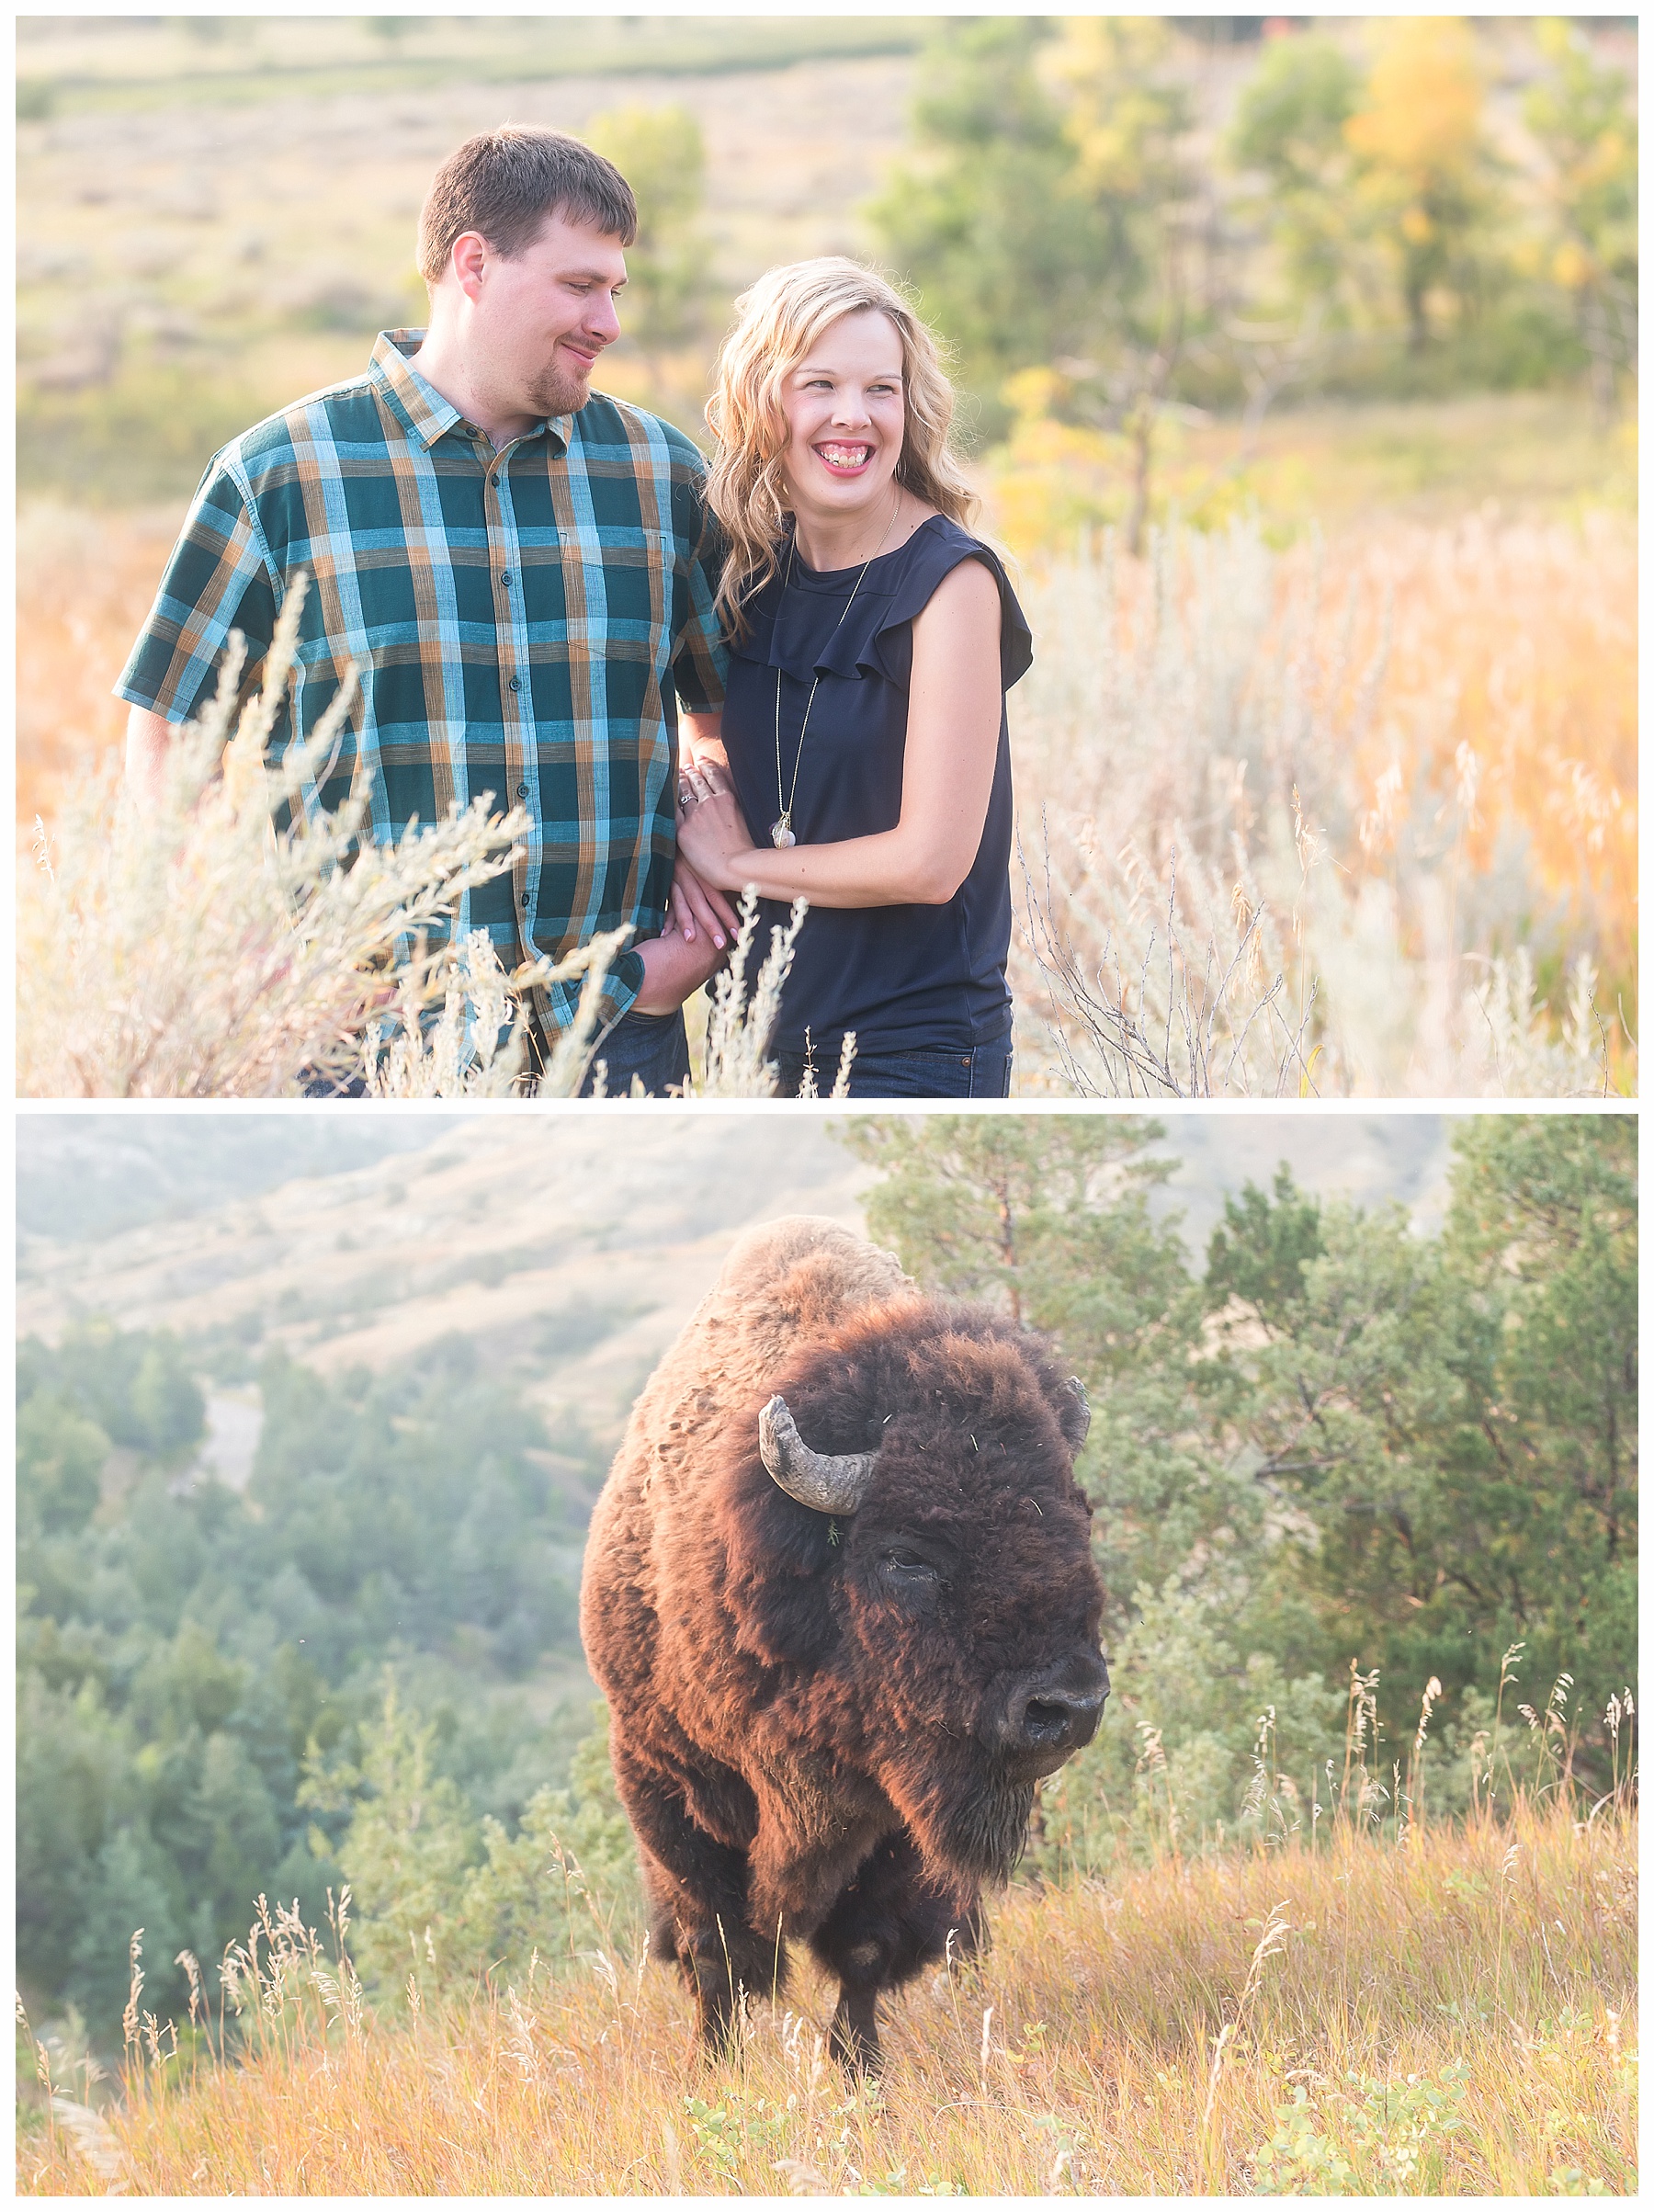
[523, 623]
[820, 676]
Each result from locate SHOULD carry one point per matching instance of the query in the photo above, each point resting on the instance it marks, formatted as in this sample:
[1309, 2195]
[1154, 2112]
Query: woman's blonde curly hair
[776, 322]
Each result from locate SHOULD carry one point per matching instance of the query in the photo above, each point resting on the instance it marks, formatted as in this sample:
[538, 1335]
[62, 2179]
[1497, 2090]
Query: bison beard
[839, 1593]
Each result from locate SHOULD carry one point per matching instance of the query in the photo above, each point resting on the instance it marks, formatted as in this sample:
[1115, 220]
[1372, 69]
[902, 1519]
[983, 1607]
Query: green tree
[1053, 220]
[1582, 115]
[1449, 1426]
[411, 1840]
[61, 1457]
[1259, 1251]
[180, 1648]
[1289, 128]
[982, 217]
[135, 1386]
[130, 1894]
[1542, 1236]
[1425, 171]
[1127, 120]
[72, 1777]
[1047, 1217]
[168, 1411]
[235, 1834]
[446, 1898]
[660, 153]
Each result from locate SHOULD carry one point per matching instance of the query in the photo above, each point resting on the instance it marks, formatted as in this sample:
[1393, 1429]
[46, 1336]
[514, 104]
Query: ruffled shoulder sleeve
[802, 633]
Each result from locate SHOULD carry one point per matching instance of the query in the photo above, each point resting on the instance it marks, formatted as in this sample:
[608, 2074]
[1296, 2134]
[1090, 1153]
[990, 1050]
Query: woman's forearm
[894, 868]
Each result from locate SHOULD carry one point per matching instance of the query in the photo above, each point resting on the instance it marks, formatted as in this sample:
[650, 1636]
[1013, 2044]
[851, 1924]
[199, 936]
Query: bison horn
[1083, 1426]
[828, 1481]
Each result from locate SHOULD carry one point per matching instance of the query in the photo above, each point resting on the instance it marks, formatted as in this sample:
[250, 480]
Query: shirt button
[505, 576]
[515, 685]
[524, 899]
[521, 791]
[495, 481]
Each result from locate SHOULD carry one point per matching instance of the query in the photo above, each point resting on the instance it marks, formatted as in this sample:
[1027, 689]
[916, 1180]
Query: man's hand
[673, 968]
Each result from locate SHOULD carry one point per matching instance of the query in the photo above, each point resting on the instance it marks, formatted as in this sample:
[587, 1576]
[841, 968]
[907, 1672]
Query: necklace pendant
[781, 835]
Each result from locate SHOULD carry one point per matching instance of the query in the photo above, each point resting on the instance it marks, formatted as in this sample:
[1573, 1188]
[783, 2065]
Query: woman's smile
[844, 459]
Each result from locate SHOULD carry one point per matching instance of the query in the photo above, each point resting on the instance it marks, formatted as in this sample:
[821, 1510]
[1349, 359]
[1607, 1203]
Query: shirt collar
[422, 407]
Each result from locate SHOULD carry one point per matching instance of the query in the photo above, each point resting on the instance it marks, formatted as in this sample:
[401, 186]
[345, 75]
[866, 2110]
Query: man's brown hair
[505, 182]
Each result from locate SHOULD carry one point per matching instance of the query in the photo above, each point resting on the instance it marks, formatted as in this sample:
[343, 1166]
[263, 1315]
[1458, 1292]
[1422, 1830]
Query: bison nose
[1049, 1715]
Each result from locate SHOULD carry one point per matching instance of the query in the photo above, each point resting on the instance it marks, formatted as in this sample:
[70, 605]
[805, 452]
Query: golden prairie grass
[1452, 2014]
[84, 583]
[1396, 771]
[1358, 817]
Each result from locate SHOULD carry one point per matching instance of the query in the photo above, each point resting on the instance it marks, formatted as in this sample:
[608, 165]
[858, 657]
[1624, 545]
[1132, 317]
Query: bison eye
[907, 1567]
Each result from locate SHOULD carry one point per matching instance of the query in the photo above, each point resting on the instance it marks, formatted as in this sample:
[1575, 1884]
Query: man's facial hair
[553, 392]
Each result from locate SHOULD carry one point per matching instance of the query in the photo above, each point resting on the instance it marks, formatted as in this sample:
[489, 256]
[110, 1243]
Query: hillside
[570, 1249]
[1456, 2017]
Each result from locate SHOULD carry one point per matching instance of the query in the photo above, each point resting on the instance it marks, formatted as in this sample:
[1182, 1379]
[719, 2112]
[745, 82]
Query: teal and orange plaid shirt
[524, 623]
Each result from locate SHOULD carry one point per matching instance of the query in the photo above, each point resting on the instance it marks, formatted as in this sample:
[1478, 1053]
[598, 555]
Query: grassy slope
[122, 65]
[1485, 1980]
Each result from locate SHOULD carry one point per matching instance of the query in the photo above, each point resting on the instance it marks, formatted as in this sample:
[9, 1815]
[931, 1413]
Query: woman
[871, 642]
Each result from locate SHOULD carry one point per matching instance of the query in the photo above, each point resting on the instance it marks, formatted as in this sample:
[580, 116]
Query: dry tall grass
[84, 583]
[1453, 2014]
[1348, 818]
[225, 942]
[1303, 820]
[200, 946]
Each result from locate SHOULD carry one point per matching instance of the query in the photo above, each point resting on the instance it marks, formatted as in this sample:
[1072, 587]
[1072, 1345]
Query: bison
[840, 1596]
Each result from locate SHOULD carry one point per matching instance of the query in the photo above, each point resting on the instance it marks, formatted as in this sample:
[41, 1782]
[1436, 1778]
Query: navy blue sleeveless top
[904, 978]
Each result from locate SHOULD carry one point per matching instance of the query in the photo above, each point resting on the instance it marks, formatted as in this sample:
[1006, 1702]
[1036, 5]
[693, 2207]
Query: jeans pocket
[991, 1072]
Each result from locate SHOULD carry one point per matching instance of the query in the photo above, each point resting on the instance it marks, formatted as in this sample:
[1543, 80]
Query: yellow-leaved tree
[1426, 172]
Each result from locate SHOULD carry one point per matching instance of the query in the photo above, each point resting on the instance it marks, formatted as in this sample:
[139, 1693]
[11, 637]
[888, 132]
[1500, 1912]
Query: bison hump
[783, 1282]
[807, 1272]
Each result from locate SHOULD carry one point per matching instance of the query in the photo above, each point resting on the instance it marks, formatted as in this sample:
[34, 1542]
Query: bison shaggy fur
[828, 1727]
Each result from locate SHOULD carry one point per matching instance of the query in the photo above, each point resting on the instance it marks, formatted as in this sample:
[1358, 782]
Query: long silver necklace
[781, 835]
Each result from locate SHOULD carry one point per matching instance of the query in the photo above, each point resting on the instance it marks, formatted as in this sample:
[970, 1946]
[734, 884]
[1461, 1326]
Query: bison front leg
[697, 1887]
[885, 1925]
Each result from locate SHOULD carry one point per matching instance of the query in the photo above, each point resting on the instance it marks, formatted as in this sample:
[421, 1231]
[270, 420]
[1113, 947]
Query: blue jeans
[652, 1047]
[980, 1072]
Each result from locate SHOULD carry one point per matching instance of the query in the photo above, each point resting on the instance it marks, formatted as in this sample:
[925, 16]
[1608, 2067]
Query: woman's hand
[712, 832]
[694, 908]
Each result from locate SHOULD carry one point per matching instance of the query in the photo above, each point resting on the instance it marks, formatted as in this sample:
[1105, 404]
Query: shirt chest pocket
[617, 577]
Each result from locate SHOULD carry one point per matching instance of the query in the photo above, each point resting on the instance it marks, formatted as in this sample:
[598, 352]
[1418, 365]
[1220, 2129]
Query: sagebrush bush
[223, 940]
[220, 940]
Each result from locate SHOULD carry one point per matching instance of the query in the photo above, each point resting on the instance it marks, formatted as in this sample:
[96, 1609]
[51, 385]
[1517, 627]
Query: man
[522, 572]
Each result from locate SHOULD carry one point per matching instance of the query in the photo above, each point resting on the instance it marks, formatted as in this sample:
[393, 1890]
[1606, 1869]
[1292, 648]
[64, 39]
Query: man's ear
[468, 260]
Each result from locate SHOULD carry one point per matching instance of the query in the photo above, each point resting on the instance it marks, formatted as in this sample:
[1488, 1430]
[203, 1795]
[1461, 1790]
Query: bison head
[913, 1543]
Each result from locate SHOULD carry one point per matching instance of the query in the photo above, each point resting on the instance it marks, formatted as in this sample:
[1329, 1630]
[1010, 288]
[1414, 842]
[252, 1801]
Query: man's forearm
[700, 737]
[149, 742]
